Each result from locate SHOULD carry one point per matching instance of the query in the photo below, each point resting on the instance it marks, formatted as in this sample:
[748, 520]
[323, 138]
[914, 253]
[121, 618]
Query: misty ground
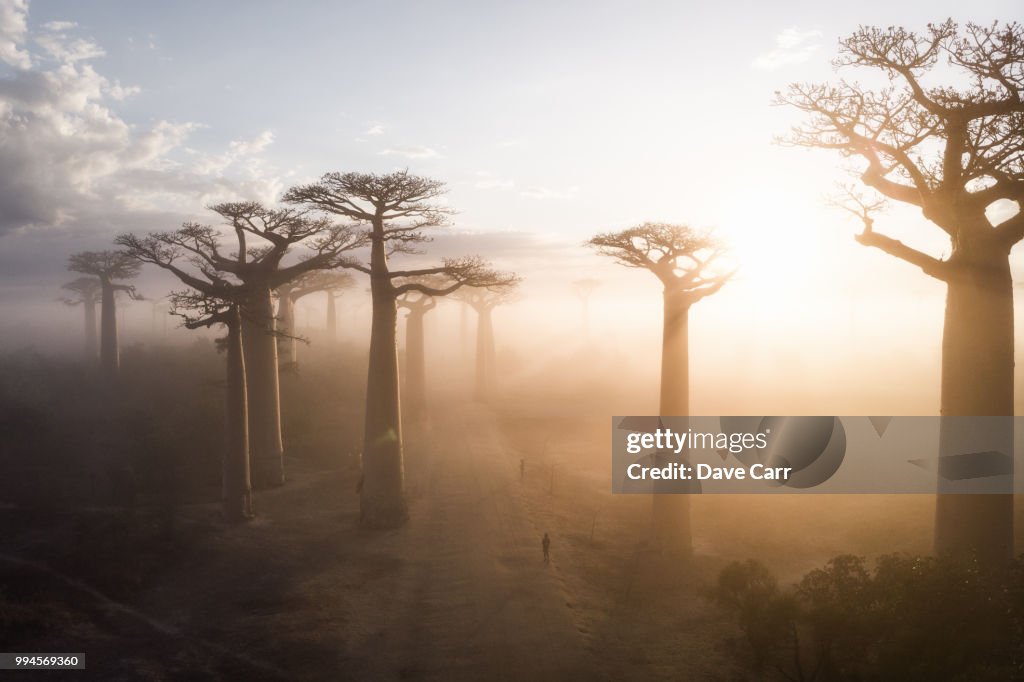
[161, 588]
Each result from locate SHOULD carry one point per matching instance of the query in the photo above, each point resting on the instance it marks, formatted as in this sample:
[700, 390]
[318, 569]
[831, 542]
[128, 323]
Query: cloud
[792, 46]
[61, 146]
[13, 30]
[69, 50]
[548, 193]
[59, 25]
[375, 129]
[241, 153]
[253, 146]
[122, 92]
[411, 152]
[59, 46]
[70, 164]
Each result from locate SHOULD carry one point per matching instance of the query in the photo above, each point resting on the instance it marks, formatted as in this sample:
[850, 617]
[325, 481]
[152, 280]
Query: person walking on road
[546, 546]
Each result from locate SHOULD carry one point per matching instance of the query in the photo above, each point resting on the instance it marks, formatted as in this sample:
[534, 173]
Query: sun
[781, 246]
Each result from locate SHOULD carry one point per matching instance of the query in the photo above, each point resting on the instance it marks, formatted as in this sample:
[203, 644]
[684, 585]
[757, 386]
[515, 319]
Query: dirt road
[475, 600]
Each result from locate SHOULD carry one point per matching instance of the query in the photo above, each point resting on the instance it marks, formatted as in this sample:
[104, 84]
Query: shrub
[911, 618]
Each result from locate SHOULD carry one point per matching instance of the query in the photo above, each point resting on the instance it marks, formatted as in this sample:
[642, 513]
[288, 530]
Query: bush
[766, 616]
[911, 618]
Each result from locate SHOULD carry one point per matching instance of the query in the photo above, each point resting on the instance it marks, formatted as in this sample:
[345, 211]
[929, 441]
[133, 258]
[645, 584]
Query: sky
[550, 122]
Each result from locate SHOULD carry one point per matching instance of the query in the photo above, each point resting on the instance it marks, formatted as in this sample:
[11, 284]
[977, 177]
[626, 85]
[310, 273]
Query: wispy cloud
[549, 193]
[69, 51]
[122, 92]
[253, 146]
[58, 45]
[59, 25]
[792, 46]
[237, 151]
[410, 152]
[375, 129]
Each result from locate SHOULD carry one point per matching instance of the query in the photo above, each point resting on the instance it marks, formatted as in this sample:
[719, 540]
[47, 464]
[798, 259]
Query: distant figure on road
[522, 469]
[546, 546]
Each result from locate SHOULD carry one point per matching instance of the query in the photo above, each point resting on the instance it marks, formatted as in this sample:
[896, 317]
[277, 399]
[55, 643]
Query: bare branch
[950, 150]
[931, 266]
[488, 298]
[453, 274]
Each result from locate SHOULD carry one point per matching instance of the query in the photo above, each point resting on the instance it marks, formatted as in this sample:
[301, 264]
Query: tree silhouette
[260, 268]
[85, 291]
[111, 268]
[205, 310]
[160, 312]
[215, 297]
[483, 300]
[332, 289]
[584, 288]
[682, 259]
[953, 152]
[417, 305]
[397, 207]
[289, 293]
[414, 400]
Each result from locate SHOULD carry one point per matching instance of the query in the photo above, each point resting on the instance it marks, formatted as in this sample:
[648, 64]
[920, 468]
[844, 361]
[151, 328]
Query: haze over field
[313, 316]
[565, 120]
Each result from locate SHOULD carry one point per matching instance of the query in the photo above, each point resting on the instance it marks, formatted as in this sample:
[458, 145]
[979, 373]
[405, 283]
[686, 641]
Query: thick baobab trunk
[109, 358]
[675, 356]
[415, 402]
[977, 380]
[486, 371]
[287, 345]
[236, 473]
[382, 499]
[260, 347]
[89, 305]
[332, 319]
[671, 512]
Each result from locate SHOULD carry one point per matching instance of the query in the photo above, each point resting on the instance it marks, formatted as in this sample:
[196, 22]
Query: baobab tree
[398, 208]
[683, 260]
[214, 298]
[289, 293]
[584, 288]
[483, 300]
[160, 312]
[414, 401]
[85, 291]
[259, 267]
[340, 283]
[956, 152]
[205, 310]
[111, 268]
